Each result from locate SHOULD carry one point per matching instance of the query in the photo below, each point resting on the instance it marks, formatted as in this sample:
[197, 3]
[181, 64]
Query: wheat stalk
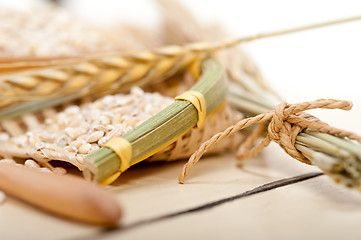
[31, 80]
[91, 75]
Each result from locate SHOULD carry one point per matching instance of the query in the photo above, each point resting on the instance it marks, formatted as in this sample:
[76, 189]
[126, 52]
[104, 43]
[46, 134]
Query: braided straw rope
[286, 122]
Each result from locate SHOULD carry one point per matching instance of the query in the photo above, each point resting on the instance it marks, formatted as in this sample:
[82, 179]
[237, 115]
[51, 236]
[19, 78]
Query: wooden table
[268, 197]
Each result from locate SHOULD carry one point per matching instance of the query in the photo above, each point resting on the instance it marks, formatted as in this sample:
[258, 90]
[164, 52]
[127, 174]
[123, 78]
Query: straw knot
[283, 125]
[278, 120]
[287, 121]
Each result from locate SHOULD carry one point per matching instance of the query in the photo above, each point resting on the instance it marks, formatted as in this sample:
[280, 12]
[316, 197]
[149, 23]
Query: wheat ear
[107, 73]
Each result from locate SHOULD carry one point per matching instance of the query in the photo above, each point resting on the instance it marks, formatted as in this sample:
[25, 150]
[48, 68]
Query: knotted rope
[284, 124]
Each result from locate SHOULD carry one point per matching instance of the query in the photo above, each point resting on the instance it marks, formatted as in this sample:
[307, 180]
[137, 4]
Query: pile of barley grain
[49, 32]
[84, 129]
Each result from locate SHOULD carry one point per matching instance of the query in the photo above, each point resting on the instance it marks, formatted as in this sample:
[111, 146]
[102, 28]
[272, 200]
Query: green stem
[164, 127]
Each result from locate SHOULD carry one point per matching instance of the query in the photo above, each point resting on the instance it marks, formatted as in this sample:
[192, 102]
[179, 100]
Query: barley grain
[95, 136]
[59, 170]
[94, 147]
[74, 132]
[77, 143]
[30, 163]
[99, 127]
[71, 149]
[7, 160]
[103, 141]
[62, 141]
[44, 169]
[85, 148]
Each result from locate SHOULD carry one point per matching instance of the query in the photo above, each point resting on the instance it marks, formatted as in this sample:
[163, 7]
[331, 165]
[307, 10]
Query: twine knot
[283, 125]
[282, 131]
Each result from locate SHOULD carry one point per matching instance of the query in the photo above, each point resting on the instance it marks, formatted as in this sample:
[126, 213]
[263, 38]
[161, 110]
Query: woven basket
[174, 32]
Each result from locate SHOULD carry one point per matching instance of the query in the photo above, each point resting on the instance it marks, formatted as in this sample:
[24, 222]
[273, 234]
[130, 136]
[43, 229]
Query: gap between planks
[263, 188]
